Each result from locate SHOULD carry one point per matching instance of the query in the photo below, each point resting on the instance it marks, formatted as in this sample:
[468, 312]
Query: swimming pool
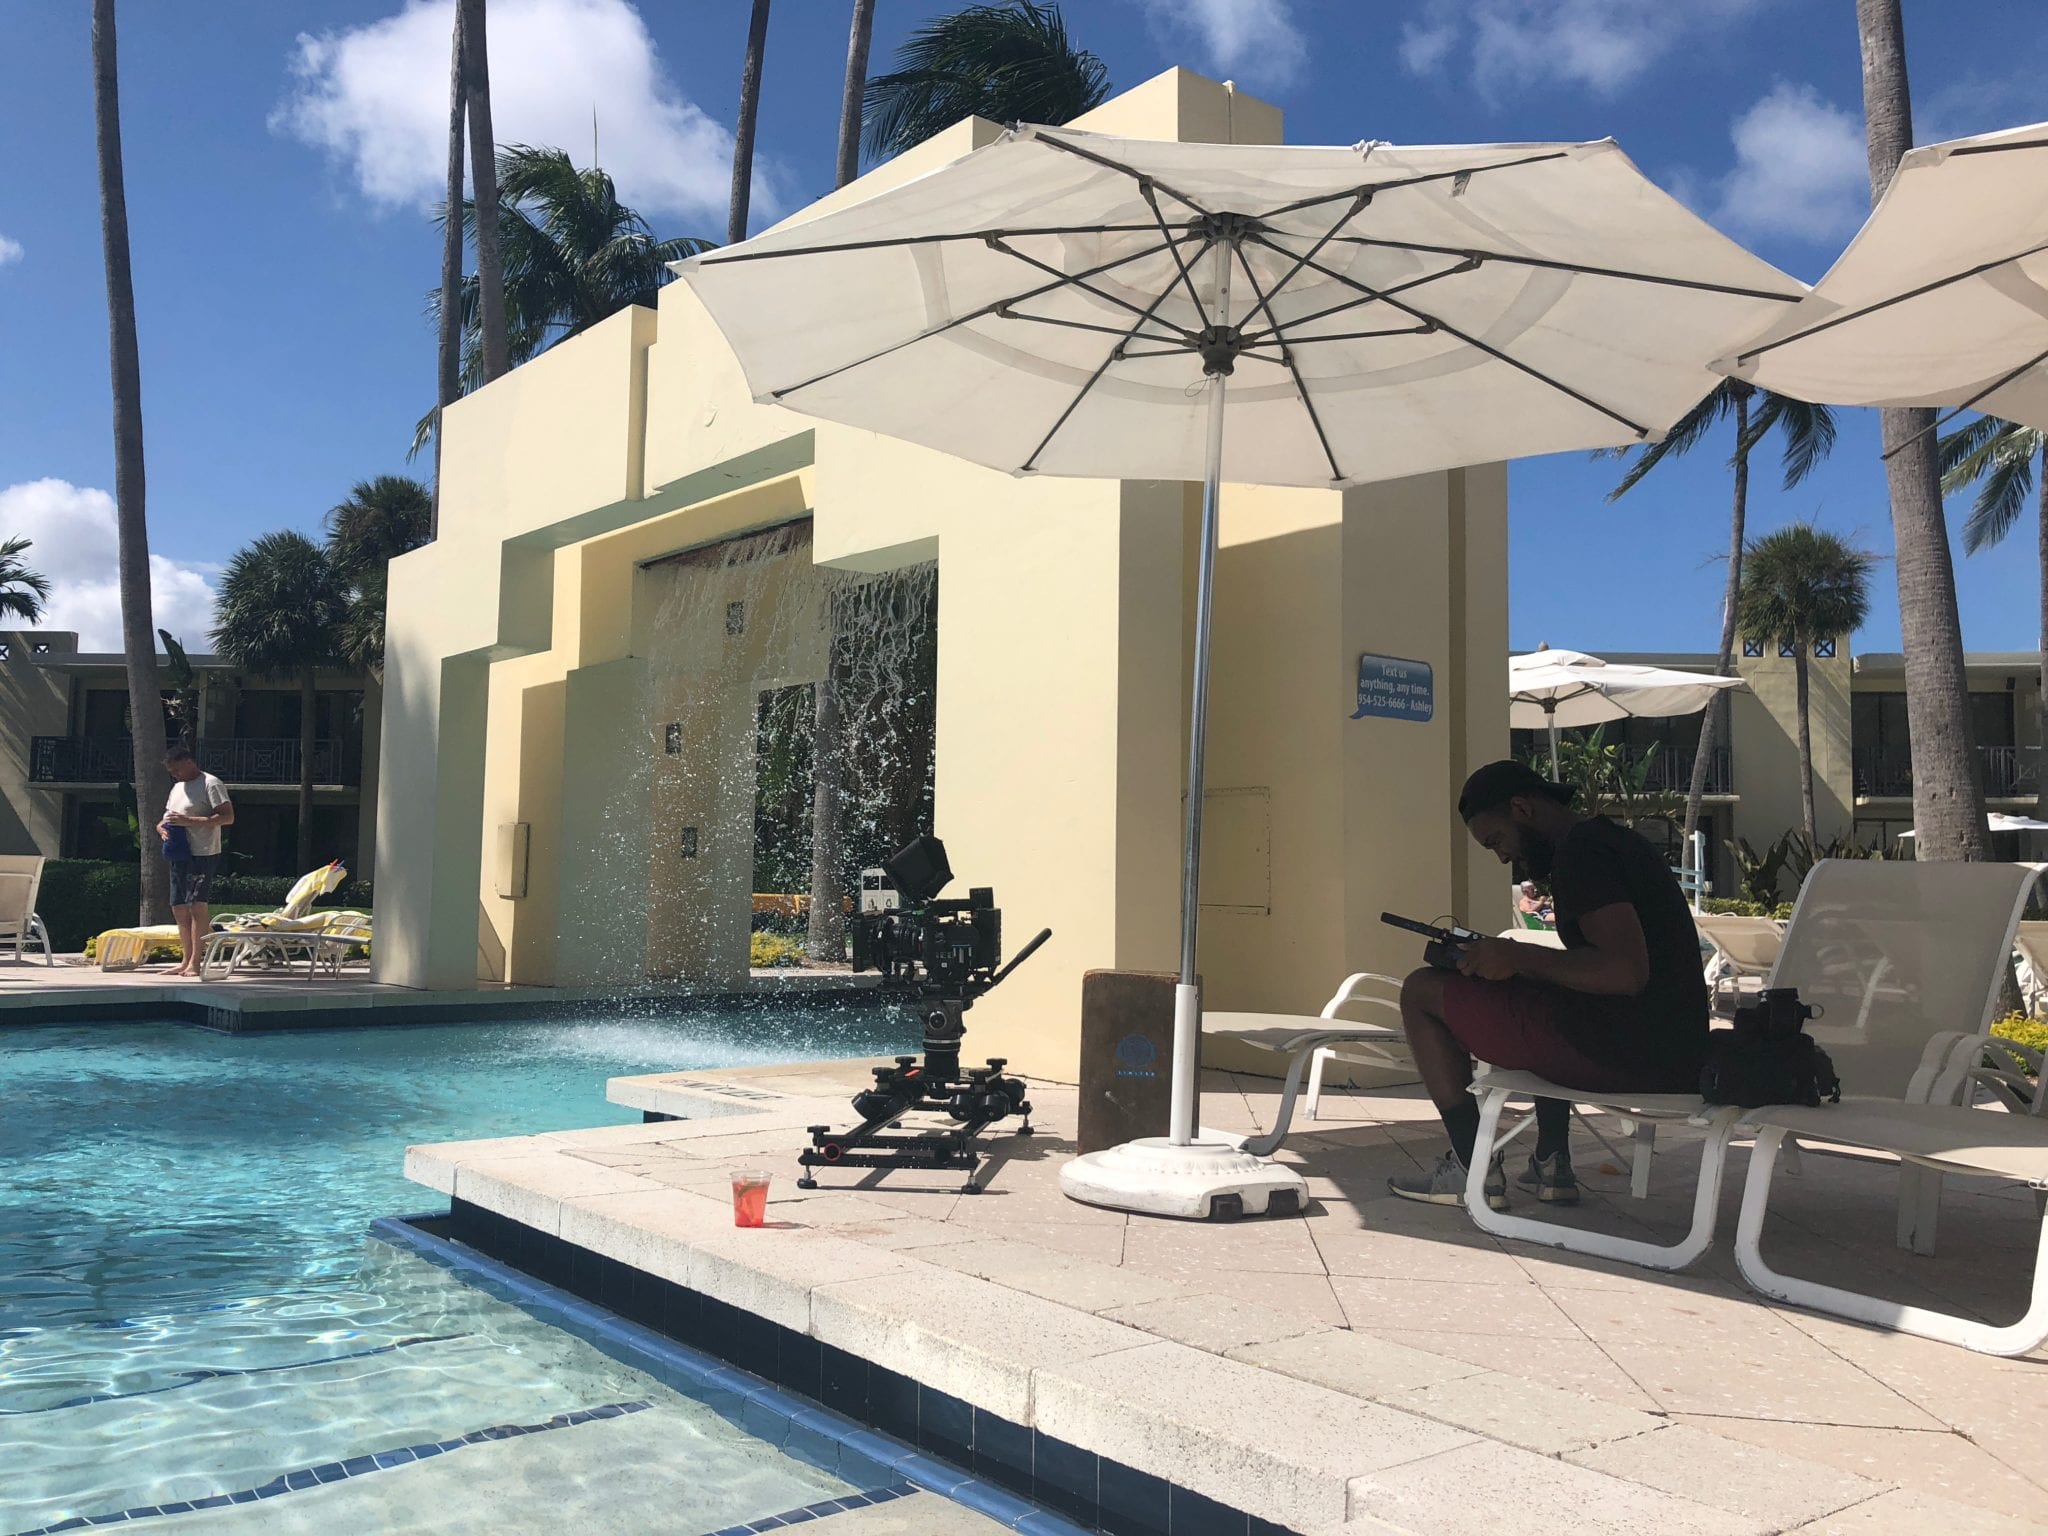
[190, 1308]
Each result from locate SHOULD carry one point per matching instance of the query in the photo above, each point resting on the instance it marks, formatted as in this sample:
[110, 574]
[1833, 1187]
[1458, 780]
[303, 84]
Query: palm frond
[1684, 435]
[1809, 433]
[1962, 453]
[278, 606]
[2003, 494]
[1802, 584]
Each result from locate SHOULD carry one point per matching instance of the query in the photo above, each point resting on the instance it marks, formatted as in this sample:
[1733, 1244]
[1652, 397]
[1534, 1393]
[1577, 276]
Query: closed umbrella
[1556, 690]
[1069, 303]
[1941, 299]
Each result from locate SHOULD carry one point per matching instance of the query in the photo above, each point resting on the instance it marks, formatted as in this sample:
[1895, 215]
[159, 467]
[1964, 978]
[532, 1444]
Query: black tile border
[973, 1456]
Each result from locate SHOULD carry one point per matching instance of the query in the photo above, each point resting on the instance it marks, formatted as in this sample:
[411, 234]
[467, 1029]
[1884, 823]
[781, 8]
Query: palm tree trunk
[1725, 661]
[483, 182]
[1800, 679]
[308, 717]
[1948, 792]
[857, 44]
[743, 130]
[138, 627]
[449, 377]
[2041, 757]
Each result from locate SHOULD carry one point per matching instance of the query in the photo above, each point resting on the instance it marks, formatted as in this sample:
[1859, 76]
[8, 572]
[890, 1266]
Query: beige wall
[1764, 743]
[34, 701]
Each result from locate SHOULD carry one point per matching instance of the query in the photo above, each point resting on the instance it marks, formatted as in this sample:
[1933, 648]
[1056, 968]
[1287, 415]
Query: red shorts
[1524, 1025]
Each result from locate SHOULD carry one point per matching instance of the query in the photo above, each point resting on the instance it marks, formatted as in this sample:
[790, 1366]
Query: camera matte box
[1126, 1057]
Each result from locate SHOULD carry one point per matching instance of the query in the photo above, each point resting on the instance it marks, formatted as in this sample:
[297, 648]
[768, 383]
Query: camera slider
[973, 1102]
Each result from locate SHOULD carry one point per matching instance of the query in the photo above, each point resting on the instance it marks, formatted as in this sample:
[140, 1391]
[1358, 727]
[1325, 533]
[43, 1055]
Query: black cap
[1498, 783]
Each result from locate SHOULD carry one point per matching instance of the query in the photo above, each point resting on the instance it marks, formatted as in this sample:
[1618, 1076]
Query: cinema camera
[944, 954]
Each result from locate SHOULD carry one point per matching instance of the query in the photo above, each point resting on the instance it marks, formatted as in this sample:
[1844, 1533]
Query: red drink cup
[750, 1197]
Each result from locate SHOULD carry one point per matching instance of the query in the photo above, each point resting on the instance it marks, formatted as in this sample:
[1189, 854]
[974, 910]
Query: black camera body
[945, 953]
[1446, 946]
[1768, 1057]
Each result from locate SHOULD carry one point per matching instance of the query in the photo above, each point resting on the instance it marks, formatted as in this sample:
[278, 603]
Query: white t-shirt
[200, 796]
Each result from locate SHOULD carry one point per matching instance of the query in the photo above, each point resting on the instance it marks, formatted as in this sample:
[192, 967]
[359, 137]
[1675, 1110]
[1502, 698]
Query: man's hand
[1491, 959]
[179, 819]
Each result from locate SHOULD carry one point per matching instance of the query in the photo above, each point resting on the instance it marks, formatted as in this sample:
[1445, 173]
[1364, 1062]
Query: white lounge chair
[21, 881]
[2031, 945]
[1379, 1045]
[1906, 959]
[1744, 950]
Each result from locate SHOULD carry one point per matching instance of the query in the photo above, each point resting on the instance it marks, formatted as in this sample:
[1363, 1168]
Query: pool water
[190, 1307]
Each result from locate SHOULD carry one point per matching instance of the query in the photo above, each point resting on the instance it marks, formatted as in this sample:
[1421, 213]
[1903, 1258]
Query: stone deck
[1371, 1366]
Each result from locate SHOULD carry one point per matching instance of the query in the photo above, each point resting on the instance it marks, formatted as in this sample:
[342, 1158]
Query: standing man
[200, 806]
[1622, 1007]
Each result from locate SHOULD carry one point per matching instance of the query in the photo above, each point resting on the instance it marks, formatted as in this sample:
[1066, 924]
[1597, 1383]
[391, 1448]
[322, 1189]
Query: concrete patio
[1374, 1365]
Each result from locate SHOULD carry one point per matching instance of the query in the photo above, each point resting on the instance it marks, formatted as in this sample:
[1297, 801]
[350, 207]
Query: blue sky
[281, 159]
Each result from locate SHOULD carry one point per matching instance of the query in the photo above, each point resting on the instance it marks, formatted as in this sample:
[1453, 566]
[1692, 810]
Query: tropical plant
[1808, 433]
[279, 607]
[743, 126]
[1007, 60]
[859, 38]
[1803, 584]
[1611, 779]
[1999, 457]
[1802, 853]
[138, 640]
[1759, 874]
[23, 591]
[1948, 793]
[187, 681]
[574, 255]
[382, 519]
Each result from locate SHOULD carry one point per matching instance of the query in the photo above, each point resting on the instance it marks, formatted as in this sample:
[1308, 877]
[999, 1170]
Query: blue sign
[1393, 689]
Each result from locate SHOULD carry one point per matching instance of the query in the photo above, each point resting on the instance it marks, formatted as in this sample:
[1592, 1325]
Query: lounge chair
[2031, 944]
[294, 931]
[1337, 1039]
[1906, 958]
[1744, 950]
[21, 880]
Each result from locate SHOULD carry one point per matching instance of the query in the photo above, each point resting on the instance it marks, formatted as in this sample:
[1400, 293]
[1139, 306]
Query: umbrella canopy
[1998, 821]
[1569, 688]
[1941, 300]
[1069, 303]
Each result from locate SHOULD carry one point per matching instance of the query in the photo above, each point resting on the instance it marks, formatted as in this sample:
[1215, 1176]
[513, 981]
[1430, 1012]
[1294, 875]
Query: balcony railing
[1888, 771]
[1671, 770]
[233, 759]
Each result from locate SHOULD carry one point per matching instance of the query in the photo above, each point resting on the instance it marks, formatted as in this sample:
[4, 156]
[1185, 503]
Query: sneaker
[1552, 1179]
[1445, 1183]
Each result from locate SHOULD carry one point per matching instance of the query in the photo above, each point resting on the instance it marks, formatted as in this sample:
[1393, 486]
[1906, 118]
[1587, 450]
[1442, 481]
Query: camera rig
[944, 954]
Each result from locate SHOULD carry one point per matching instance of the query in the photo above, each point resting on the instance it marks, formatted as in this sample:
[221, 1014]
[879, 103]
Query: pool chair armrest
[1352, 990]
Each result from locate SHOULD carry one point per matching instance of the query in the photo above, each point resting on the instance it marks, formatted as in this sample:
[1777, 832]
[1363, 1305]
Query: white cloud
[375, 98]
[1597, 45]
[10, 250]
[1255, 39]
[73, 533]
[1800, 169]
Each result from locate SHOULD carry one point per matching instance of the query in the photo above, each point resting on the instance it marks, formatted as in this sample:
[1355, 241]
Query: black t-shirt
[1663, 1029]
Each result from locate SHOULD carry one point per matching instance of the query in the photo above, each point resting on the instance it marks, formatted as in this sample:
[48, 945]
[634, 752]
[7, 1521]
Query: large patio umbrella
[1941, 299]
[1068, 303]
[1558, 690]
[1998, 821]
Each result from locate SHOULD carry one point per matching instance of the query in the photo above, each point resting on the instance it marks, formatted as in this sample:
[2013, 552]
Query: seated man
[1621, 1007]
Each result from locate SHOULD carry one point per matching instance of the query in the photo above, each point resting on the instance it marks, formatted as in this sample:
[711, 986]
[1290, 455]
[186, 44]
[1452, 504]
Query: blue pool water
[189, 1306]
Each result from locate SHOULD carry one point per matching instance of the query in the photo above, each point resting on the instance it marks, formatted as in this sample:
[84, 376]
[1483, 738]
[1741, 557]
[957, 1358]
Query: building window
[1824, 649]
[1752, 647]
[735, 618]
[1788, 650]
[6, 651]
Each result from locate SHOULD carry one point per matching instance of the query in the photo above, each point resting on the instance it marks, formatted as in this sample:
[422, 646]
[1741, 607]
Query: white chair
[1906, 959]
[2031, 945]
[1744, 950]
[1379, 1045]
[21, 881]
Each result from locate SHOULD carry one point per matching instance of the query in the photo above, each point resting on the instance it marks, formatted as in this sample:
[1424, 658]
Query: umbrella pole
[1556, 773]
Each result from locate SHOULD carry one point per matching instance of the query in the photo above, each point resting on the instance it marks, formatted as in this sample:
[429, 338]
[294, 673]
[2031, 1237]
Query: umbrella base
[1205, 1181]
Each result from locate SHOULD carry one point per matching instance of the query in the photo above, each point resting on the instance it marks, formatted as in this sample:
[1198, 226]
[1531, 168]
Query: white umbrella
[1941, 299]
[1998, 821]
[1069, 303]
[1554, 690]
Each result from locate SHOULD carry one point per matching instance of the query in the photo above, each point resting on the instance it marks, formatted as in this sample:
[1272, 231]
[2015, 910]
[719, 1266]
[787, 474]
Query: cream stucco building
[570, 695]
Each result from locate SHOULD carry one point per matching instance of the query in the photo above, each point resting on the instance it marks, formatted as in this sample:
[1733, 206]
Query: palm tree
[138, 638]
[1802, 585]
[743, 128]
[1809, 435]
[574, 255]
[22, 591]
[382, 519]
[858, 41]
[1009, 60]
[1998, 457]
[483, 181]
[448, 373]
[279, 606]
[1948, 790]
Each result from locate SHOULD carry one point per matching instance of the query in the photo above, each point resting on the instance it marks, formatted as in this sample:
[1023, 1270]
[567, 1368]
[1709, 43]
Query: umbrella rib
[1115, 353]
[1359, 303]
[1491, 351]
[959, 320]
[1152, 201]
[996, 243]
[1898, 298]
[1426, 328]
[1287, 356]
[1265, 304]
[1372, 189]
[730, 258]
[1117, 165]
[1475, 258]
[1005, 312]
[1999, 149]
[1970, 404]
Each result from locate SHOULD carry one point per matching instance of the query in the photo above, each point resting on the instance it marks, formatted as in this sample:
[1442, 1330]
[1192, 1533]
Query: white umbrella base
[1202, 1181]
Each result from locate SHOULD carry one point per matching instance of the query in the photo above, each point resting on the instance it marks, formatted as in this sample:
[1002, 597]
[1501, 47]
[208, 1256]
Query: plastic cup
[750, 1197]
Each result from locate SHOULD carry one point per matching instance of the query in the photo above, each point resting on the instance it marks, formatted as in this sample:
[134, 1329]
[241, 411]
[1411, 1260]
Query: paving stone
[1535, 1417]
[652, 1231]
[1071, 1282]
[1356, 1364]
[1799, 1385]
[1216, 1323]
[1186, 1248]
[1766, 1484]
[1900, 1513]
[1575, 1365]
[1482, 1489]
[433, 1163]
[1229, 1431]
[1514, 1308]
[530, 1190]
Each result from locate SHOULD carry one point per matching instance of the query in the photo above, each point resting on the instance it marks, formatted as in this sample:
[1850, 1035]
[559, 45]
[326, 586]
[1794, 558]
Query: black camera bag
[1768, 1057]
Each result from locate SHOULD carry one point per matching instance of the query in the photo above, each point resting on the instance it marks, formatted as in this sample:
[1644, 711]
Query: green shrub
[2021, 1030]
[775, 949]
[1742, 906]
